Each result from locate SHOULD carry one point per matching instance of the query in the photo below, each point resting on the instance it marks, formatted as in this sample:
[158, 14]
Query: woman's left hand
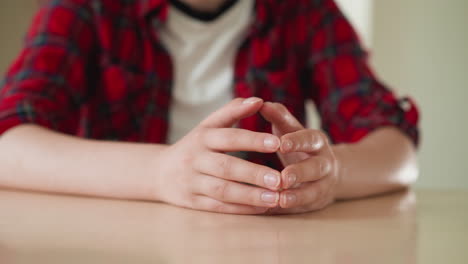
[311, 174]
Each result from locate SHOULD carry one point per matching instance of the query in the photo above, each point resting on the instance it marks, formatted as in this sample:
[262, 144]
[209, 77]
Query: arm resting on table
[382, 162]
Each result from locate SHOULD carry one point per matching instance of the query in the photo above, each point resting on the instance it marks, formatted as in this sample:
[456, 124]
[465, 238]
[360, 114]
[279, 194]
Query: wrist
[342, 152]
[154, 172]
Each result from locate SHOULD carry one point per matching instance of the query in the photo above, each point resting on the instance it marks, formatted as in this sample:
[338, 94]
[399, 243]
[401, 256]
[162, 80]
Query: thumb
[282, 121]
[233, 112]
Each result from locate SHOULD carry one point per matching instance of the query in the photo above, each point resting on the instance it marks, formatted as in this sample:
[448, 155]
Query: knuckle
[324, 166]
[257, 141]
[314, 167]
[254, 198]
[218, 207]
[213, 206]
[230, 139]
[322, 137]
[193, 201]
[292, 169]
[199, 135]
[315, 139]
[220, 190]
[198, 163]
[259, 173]
[224, 166]
[319, 192]
[286, 137]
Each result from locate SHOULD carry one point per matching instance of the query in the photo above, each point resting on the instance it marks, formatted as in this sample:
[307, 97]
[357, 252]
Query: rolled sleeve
[351, 101]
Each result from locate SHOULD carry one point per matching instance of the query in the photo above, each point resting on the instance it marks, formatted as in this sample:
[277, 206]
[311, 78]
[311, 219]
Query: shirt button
[405, 105]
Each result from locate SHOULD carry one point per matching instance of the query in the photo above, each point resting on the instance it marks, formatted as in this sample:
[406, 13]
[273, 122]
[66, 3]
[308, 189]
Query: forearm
[382, 162]
[36, 158]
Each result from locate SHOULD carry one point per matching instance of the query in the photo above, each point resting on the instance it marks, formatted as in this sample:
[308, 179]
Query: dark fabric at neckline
[202, 15]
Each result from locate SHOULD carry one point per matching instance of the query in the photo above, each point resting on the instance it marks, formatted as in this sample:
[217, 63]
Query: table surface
[406, 227]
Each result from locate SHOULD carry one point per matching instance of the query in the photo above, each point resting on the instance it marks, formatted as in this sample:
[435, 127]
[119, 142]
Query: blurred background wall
[418, 47]
[421, 49]
[15, 16]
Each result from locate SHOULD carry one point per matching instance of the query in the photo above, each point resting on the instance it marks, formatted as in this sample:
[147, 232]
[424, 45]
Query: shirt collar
[159, 9]
[156, 8]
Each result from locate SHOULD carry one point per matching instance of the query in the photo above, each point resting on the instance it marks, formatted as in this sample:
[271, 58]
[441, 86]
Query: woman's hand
[311, 173]
[196, 172]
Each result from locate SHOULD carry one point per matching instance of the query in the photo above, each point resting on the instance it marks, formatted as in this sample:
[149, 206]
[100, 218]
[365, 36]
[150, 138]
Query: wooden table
[408, 227]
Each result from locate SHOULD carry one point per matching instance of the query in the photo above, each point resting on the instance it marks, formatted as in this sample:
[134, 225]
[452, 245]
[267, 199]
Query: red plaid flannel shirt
[96, 69]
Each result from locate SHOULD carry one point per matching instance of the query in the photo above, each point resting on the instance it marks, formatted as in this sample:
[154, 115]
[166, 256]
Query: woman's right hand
[197, 173]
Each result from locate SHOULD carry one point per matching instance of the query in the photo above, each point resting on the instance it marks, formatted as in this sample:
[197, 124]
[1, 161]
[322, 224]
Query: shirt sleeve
[351, 101]
[46, 84]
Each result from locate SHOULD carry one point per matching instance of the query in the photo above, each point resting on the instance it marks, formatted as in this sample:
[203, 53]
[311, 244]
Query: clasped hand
[197, 173]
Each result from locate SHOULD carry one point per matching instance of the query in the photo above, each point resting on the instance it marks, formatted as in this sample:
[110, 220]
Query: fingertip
[280, 107]
[267, 104]
[284, 181]
[270, 199]
[286, 145]
[272, 181]
[287, 200]
[266, 110]
[272, 143]
[250, 106]
[252, 101]
[288, 178]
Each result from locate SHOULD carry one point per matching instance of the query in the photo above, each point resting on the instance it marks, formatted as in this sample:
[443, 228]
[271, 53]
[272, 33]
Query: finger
[232, 112]
[310, 194]
[209, 204]
[235, 139]
[309, 170]
[305, 140]
[233, 192]
[284, 211]
[239, 170]
[278, 115]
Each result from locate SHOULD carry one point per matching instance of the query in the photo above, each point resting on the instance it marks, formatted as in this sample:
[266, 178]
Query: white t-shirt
[203, 55]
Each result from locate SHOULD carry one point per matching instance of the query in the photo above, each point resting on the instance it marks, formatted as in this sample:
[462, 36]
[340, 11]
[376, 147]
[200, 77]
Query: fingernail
[271, 142]
[317, 144]
[270, 197]
[290, 199]
[291, 179]
[287, 145]
[251, 100]
[271, 180]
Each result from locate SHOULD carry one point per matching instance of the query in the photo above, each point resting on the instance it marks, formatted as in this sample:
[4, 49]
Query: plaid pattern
[96, 69]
